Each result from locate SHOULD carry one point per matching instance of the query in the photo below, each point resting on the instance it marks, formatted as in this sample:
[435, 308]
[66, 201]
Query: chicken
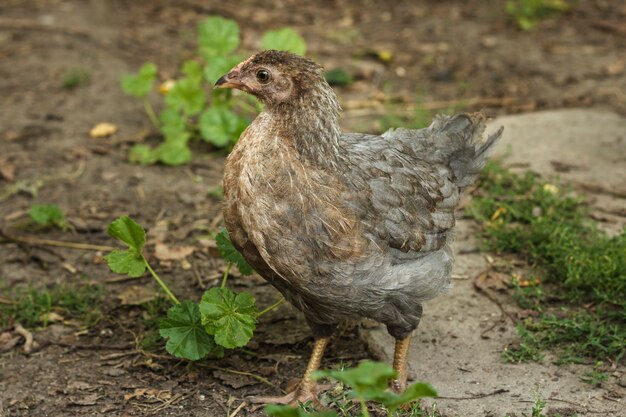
[344, 225]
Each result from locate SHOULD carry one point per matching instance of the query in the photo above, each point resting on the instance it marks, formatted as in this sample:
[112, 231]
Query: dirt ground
[450, 54]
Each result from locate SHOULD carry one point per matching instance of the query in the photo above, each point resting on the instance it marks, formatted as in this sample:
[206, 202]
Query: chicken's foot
[307, 389]
[400, 359]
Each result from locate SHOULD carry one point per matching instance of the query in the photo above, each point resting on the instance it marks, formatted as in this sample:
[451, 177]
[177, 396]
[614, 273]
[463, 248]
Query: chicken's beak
[228, 81]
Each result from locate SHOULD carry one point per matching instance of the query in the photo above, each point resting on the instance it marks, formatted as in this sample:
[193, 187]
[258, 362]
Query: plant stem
[225, 277]
[364, 411]
[273, 306]
[151, 114]
[161, 283]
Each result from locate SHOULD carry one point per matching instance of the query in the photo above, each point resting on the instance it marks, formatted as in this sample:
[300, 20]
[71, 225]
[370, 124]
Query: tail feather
[469, 155]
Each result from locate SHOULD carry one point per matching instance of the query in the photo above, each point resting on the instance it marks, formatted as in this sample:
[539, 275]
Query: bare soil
[450, 54]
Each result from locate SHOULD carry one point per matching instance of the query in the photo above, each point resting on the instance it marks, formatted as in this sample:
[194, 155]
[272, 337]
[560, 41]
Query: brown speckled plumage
[344, 225]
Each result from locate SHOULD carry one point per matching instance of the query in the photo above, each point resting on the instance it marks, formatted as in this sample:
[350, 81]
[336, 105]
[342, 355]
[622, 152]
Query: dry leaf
[8, 340]
[80, 386]
[492, 280]
[7, 169]
[164, 252]
[149, 393]
[102, 130]
[234, 380]
[616, 67]
[51, 317]
[136, 295]
[69, 267]
[86, 400]
[166, 87]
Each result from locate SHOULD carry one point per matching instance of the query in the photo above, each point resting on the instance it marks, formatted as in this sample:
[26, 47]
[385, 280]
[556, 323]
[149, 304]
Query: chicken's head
[275, 77]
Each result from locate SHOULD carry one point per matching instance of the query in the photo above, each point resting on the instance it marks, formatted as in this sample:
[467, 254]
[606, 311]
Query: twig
[242, 405]
[503, 312]
[28, 337]
[477, 396]
[232, 371]
[201, 365]
[358, 111]
[34, 241]
[20, 24]
[168, 403]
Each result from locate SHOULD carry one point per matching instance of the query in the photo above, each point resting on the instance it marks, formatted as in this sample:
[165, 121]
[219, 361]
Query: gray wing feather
[405, 184]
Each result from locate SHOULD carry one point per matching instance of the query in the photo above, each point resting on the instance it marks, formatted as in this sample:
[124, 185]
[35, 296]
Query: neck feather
[311, 123]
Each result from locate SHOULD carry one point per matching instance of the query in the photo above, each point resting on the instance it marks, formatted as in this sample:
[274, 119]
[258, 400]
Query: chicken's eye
[263, 76]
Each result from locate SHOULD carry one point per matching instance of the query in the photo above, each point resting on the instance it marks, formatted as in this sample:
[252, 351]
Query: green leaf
[186, 95]
[277, 410]
[230, 317]
[192, 70]
[231, 254]
[47, 215]
[414, 392]
[126, 262]
[171, 121]
[217, 36]
[185, 333]
[216, 66]
[129, 232]
[142, 154]
[366, 378]
[284, 40]
[141, 84]
[393, 401]
[174, 151]
[220, 126]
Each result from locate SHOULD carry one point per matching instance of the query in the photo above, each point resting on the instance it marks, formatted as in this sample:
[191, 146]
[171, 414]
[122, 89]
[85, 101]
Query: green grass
[32, 306]
[580, 296]
[527, 13]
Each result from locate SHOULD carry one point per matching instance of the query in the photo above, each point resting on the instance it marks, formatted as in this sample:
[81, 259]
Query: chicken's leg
[400, 358]
[306, 390]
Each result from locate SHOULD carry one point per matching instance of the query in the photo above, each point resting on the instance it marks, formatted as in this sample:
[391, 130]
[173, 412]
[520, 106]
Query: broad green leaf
[185, 335]
[217, 36]
[140, 84]
[142, 154]
[193, 70]
[178, 137]
[278, 410]
[231, 254]
[174, 152]
[127, 262]
[186, 95]
[46, 214]
[393, 401]
[216, 66]
[220, 126]
[129, 232]
[411, 393]
[366, 378]
[172, 122]
[230, 317]
[284, 40]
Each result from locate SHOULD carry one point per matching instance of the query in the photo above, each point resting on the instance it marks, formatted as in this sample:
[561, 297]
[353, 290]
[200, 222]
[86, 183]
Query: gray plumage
[345, 225]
